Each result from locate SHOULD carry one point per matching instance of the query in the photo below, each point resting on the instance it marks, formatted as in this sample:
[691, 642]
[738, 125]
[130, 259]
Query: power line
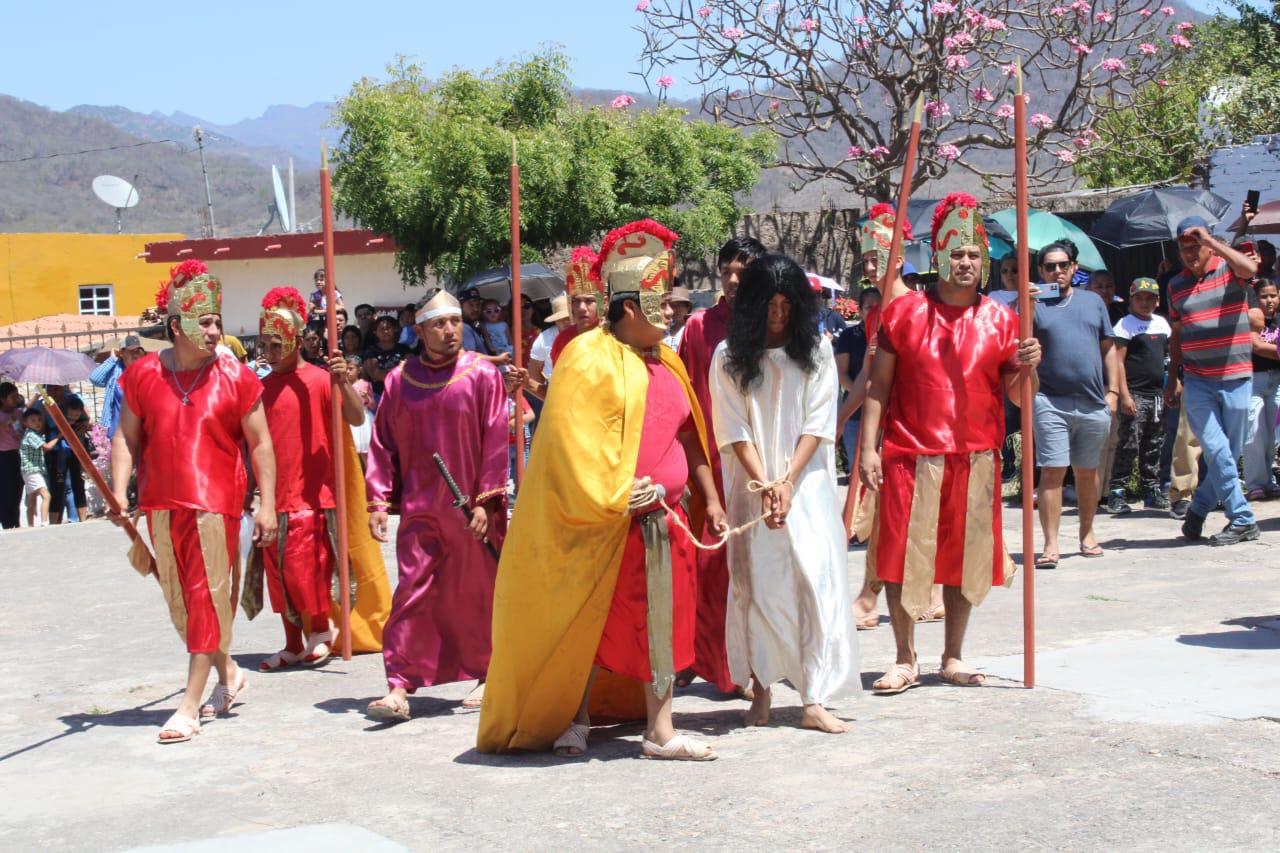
[86, 151]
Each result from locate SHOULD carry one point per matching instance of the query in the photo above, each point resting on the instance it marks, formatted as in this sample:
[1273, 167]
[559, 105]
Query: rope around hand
[644, 492]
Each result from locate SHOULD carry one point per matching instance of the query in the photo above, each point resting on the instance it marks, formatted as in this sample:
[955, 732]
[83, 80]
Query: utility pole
[293, 202]
[208, 195]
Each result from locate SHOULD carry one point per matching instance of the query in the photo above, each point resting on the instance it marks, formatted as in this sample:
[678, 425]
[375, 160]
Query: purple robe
[439, 629]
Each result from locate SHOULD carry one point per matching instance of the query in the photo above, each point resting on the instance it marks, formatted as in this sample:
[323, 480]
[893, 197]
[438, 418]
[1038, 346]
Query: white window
[97, 299]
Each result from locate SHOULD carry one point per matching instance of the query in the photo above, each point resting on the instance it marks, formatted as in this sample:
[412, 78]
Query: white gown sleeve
[820, 397]
[730, 416]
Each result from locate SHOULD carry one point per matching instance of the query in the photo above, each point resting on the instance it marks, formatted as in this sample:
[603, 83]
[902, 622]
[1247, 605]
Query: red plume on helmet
[945, 207]
[647, 226]
[178, 275]
[883, 208]
[285, 297]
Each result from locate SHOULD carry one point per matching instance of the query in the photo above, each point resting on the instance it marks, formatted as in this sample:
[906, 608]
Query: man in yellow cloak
[596, 576]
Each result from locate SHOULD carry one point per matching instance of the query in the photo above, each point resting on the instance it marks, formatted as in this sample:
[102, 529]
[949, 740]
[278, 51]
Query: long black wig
[761, 280]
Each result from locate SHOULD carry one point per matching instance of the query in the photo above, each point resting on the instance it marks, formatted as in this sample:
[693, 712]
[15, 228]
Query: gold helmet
[190, 293]
[283, 313]
[956, 222]
[636, 260]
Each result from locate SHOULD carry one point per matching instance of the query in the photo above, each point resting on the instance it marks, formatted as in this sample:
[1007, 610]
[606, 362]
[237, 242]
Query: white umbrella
[821, 282]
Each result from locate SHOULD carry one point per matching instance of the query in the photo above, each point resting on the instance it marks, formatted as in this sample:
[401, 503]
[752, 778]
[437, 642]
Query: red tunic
[624, 643]
[190, 455]
[297, 404]
[947, 399]
[703, 332]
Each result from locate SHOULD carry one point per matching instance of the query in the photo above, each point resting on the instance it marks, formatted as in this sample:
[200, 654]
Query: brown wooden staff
[140, 556]
[886, 278]
[517, 330]
[1022, 202]
[336, 422]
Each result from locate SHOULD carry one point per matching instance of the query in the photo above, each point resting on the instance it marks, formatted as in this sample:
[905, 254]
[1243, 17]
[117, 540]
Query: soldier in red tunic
[298, 399]
[945, 359]
[187, 412]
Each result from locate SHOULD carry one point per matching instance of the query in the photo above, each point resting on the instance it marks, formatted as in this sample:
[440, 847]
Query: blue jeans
[850, 438]
[1260, 437]
[1218, 413]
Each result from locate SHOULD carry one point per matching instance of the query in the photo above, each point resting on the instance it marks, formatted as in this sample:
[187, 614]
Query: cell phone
[1049, 290]
[1251, 200]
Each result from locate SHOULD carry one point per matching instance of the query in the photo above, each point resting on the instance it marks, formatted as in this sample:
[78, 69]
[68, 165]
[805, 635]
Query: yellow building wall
[41, 274]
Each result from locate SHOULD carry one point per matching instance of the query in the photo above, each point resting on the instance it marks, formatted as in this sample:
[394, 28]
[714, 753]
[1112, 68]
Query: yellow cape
[368, 570]
[561, 556]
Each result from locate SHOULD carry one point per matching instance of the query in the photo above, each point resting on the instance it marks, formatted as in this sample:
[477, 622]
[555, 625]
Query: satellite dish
[116, 192]
[282, 207]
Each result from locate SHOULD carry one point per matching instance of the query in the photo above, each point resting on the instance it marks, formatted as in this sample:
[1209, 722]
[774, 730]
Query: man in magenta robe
[451, 402]
[703, 332]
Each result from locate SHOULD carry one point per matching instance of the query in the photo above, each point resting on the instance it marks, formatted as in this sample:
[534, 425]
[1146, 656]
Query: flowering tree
[836, 81]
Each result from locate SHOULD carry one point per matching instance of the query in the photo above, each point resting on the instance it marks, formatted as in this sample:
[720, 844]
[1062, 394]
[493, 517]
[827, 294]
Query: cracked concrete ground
[1153, 728]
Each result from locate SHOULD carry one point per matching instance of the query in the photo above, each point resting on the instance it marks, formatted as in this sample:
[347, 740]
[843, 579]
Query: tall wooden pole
[336, 422]
[517, 330]
[1027, 402]
[886, 277]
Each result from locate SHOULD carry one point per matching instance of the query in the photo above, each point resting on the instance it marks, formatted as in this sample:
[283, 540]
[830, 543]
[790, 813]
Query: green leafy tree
[429, 164]
[1227, 90]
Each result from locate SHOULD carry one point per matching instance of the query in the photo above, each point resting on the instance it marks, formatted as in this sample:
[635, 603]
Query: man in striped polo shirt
[1209, 305]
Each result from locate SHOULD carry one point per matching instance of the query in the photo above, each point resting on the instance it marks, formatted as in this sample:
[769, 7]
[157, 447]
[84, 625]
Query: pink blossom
[1167, 11]
[1162, 82]
[1085, 139]
[774, 106]
[733, 33]
[1180, 41]
[879, 152]
[1066, 156]
[665, 81]
[941, 7]
[948, 152]
[704, 12]
[1041, 121]
[808, 25]
[1081, 7]
[956, 61]
[1184, 26]
[1079, 48]
[622, 102]
[855, 152]
[994, 25]
[1103, 17]
[1147, 48]
[860, 20]
[1009, 70]
[1005, 111]
[642, 6]
[937, 109]
[1059, 11]
[1113, 64]
[1146, 13]
[982, 93]
[862, 43]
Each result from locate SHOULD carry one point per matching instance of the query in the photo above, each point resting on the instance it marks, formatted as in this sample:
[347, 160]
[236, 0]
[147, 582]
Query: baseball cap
[1190, 222]
[131, 341]
[1144, 285]
[559, 309]
[908, 269]
[469, 293]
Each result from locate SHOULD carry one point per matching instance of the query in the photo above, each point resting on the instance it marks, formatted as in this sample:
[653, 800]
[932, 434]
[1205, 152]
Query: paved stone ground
[1154, 727]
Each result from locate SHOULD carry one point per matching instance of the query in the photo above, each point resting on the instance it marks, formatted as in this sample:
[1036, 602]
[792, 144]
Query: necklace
[186, 392]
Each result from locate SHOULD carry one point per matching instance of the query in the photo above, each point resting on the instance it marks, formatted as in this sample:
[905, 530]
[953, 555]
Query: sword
[460, 500]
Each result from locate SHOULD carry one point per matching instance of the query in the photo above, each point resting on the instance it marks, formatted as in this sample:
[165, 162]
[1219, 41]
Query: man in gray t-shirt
[1077, 398]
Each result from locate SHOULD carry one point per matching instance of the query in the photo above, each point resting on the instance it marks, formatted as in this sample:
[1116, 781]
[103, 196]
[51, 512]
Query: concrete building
[45, 274]
[1236, 169]
[364, 270]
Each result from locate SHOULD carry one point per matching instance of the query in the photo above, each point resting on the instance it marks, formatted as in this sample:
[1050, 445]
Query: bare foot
[758, 713]
[817, 717]
[864, 619]
[475, 698]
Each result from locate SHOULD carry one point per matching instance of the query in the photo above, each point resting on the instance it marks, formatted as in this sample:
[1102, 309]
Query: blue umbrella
[1044, 228]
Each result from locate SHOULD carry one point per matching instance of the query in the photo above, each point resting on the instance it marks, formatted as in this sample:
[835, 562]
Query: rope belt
[645, 492]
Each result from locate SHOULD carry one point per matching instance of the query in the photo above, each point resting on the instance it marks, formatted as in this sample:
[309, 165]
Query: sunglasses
[1053, 266]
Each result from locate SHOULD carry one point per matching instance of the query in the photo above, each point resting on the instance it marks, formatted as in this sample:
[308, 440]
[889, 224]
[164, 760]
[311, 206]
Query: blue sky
[228, 60]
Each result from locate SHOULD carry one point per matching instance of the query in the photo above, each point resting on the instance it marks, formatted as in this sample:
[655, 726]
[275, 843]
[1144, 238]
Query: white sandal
[223, 696]
[574, 738]
[679, 748]
[186, 727]
[390, 708]
[320, 647]
[280, 660]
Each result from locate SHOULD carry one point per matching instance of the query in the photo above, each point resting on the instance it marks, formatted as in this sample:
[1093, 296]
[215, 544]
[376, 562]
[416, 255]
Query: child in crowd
[526, 420]
[1142, 342]
[496, 332]
[1260, 438]
[35, 484]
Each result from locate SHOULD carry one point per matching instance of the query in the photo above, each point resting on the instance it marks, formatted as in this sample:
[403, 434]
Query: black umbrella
[1153, 215]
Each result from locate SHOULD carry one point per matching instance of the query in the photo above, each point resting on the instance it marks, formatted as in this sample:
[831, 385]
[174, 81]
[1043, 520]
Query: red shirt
[666, 415]
[297, 404]
[948, 383]
[189, 456]
[567, 334]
